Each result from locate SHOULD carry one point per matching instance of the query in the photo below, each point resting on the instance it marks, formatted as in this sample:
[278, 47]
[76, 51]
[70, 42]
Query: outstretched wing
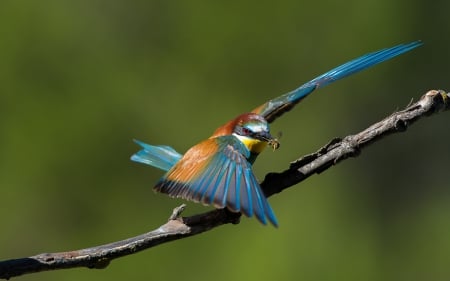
[159, 156]
[276, 107]
[217, 172]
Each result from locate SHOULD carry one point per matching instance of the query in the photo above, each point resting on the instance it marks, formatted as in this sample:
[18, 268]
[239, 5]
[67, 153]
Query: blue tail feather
[159, 156]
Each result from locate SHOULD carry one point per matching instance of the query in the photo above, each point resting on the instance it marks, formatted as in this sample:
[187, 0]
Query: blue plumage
[218, 170]
[162, 156]
[277, 106]
[223, 179]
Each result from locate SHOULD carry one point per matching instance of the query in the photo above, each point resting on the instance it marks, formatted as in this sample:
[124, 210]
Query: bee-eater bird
[218, 170]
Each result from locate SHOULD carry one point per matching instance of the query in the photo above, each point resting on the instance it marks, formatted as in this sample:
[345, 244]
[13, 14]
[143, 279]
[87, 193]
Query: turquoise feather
[162, 156]
[228, 167]
[218, 171]
[277, 106]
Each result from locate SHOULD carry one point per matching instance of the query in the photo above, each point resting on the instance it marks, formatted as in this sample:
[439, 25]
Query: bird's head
[252, 130]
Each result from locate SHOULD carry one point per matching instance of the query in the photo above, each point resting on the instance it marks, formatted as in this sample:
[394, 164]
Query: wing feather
[247, 194]
[277, 106]
[217, 171]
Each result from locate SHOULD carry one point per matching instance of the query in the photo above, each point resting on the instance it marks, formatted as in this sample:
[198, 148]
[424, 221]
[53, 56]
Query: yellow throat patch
[254, 145]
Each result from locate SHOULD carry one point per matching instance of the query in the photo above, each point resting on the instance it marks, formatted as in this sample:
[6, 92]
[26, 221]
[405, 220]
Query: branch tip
[176, 213]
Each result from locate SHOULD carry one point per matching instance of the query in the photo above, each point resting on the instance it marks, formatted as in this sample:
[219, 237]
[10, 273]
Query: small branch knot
[350, 145]
[401, 125]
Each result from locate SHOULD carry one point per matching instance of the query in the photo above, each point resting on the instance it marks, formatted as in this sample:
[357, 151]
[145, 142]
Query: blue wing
[161, 156]
[217, 172]
[276, 107]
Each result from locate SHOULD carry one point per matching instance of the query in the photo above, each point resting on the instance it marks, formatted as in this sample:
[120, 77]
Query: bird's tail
[159, 156]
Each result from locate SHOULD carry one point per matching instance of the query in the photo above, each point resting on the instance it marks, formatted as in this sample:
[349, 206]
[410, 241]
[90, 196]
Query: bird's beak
[267, 137]
[264, 136]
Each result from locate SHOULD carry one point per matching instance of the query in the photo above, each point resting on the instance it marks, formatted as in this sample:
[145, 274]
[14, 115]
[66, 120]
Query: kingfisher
[218, 170]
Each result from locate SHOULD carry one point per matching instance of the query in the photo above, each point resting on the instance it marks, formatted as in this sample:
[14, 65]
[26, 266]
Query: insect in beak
[274, 144]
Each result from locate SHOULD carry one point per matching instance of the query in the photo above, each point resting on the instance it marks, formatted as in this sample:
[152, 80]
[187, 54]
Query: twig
[179, 227]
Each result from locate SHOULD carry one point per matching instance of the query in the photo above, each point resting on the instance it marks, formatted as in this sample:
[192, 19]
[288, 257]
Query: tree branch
[179, 227]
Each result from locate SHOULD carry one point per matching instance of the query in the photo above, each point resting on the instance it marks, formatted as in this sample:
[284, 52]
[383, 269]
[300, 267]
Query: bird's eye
[246, 131]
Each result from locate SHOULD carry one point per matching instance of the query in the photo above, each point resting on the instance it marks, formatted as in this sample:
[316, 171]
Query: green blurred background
[80, 79]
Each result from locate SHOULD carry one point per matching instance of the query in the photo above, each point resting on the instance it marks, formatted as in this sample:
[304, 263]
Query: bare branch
[181, 227]
[336, 150]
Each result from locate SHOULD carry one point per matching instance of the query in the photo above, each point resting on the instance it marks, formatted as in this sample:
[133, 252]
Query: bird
[218, 170]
